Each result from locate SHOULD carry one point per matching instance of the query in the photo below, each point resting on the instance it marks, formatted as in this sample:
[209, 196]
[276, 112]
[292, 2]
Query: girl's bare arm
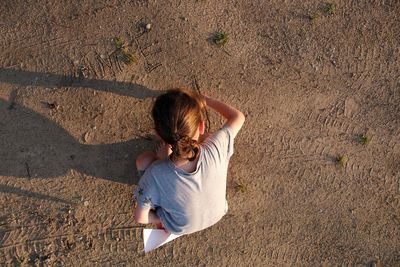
[234, 118]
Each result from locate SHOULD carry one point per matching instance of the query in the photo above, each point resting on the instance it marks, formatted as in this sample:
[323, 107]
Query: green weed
[364, 139]
[127, 57]
[239, 187]
[330, 9]
[122, 51]
[314, 16]
[341, 160]
[119, 43]
[220, 38]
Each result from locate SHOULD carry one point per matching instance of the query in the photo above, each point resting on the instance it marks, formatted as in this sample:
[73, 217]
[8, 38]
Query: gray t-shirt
[189, 202]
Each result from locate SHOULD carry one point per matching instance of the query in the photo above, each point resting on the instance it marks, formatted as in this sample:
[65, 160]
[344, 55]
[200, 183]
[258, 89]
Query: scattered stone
[88, 137]
[148, 27]
[49, 105]
[86, 203]
[82, 72]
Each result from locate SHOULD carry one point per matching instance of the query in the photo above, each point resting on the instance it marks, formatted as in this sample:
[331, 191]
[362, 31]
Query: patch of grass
[341, 160]
[364, 139]
[330, 9]
[128, 57]
[220, 38]
[119, 43]
[314, 16]
[123, 53]
[239, 187]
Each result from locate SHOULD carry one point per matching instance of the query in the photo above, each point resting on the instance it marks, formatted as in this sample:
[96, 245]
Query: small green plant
[239, 187]
[330, 9]
[127, 57]
[220, 38]
[314, 16]
[123, 52]
[364, 139]
[341, 160]
[119, 43]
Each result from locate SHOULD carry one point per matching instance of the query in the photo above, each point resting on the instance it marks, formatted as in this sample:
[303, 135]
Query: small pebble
[88, 137]
[103, 56]
[148, 26]
[86, 203]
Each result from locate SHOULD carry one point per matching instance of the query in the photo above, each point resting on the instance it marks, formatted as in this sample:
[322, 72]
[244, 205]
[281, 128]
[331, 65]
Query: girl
[183, 186]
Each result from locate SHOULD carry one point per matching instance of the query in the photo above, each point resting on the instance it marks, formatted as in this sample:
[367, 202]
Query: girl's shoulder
[156, 170]
[159, 165]
[221, 140]
[206, 137]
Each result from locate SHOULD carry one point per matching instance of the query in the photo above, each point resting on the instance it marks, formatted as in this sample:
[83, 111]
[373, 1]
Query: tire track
[108, 242]
[298, 154]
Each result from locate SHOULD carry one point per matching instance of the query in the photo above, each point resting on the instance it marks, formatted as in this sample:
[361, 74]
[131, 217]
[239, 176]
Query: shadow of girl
[33, 146]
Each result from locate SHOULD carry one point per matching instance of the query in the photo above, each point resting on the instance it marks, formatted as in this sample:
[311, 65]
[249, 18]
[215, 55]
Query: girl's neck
[186, 165]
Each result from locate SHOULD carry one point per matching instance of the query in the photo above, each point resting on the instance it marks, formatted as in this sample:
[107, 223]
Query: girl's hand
[203, 101]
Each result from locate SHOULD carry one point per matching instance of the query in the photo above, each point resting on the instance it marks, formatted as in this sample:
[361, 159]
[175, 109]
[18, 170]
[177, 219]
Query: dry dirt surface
[315, 176]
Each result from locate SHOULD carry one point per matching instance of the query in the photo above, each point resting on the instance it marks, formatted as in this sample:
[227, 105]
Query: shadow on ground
[30, 78]
[33, 146]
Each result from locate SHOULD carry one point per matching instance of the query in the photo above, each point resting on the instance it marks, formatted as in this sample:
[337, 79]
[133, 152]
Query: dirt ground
[314, 180]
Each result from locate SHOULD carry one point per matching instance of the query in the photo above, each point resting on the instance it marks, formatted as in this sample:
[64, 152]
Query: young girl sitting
[183, 187]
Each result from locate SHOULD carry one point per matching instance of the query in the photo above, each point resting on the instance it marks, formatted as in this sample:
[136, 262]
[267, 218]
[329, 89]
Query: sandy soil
[73, 118]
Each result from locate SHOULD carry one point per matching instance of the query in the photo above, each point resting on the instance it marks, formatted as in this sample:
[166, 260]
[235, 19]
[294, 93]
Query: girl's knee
[144, 160]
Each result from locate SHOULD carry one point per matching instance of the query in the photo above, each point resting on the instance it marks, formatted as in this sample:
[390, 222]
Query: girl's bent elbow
[140, 215]
[141, 221]
[241, 116]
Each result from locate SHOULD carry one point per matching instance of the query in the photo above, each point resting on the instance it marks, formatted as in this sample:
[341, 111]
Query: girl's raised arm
[234, 118]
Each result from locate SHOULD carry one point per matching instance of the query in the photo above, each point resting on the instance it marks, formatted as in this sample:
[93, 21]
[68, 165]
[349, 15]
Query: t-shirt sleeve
[146, 192]
[223, 142]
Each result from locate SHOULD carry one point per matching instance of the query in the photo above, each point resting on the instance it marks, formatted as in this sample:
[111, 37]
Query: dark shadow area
[25, 193]
[29, 78]
[33, 146]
